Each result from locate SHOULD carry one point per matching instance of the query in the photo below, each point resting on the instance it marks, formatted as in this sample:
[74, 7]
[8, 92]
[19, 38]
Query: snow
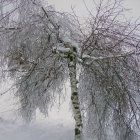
[59, 125]
[61, 49]
[36, 131]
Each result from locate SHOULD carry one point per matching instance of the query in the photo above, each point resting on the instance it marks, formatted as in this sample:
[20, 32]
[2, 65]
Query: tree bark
[74, 92]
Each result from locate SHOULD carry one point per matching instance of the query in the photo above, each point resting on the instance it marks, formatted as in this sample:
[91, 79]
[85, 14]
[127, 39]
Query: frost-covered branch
[88, 57]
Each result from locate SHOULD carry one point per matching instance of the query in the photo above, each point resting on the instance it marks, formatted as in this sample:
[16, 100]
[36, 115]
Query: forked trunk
[74, 93]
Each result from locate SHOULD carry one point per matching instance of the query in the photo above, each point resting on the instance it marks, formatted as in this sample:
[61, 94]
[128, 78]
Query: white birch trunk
[74, 93]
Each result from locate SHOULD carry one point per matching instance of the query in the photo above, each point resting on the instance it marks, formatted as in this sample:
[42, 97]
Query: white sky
[78, 5]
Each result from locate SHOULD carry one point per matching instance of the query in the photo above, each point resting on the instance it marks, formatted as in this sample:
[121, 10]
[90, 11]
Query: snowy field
[55, 127]
[59, 125]
[11, 130]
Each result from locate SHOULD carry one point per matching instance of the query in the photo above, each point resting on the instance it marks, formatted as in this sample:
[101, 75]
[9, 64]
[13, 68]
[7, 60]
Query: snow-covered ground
[11, 130]
[59, 125]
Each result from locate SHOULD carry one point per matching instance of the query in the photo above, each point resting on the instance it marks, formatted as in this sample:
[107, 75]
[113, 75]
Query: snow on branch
[61, 49]
[87, 57]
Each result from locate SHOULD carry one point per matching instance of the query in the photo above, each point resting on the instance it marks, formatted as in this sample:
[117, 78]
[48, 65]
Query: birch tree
[44, 48]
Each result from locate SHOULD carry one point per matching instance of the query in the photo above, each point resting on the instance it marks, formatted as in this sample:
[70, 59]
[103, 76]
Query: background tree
[44, 48]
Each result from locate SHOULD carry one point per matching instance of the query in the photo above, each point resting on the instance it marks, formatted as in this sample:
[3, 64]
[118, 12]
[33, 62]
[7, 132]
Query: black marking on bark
[77, 131]
[79, 125]
[75, 93]
[74, 49]
[70, 74]
[75, 103]
[71, 58]
[76, 107]
[72, 98]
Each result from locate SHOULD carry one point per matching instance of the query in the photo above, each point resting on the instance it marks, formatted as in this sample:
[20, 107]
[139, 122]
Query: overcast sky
[78, 5]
